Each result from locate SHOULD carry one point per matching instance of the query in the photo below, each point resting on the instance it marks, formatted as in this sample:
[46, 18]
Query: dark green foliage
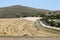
[52, 23]
[58, 24]
[58, 16]
[42, 15]
[24, 16]
[51, 16]
[49, 13]
[18, 16]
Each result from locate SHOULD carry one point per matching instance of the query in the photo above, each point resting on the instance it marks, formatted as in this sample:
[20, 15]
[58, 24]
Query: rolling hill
[17, 11]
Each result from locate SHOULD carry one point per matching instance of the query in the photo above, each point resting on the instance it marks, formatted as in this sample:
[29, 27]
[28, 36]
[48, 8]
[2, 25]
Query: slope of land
[18, 11]
[22, 27]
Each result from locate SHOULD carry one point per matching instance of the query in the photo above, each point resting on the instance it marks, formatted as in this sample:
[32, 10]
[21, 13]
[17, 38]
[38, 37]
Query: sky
[40, 4]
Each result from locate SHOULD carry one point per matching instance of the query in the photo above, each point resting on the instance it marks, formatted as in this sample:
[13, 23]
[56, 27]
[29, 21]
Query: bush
[49, 20]
[58, 24]
[58, 16]
[18, 16]
[52, 23]
[42, 15]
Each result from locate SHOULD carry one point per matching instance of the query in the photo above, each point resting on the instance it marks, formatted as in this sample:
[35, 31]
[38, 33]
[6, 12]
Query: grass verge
[47, 29]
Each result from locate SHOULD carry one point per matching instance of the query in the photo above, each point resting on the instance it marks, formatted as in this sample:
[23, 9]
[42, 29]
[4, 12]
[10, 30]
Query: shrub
[42, 15]
[52, 23]
[18, 16]
[58, 24]
[58, 16]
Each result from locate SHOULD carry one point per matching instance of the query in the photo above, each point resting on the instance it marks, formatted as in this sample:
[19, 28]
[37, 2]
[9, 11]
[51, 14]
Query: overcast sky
[41, 4]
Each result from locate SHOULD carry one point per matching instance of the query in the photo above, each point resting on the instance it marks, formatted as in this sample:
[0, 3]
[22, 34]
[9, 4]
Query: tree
[58, 16]
[42, 15]
[24, 16]
[49, 12]
[52, 23]
[58, 24]
[18, 16]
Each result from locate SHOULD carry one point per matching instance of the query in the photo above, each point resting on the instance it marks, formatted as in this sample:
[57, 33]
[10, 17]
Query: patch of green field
[48, 29]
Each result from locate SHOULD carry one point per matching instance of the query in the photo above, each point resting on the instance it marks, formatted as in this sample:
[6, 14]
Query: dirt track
[4, 38]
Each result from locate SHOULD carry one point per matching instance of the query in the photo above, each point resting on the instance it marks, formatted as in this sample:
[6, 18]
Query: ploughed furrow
[12, 27]
[29, 26]
[17, 27]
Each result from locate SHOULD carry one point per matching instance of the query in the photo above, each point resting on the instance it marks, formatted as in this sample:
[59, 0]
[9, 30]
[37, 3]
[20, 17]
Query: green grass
[48, 29]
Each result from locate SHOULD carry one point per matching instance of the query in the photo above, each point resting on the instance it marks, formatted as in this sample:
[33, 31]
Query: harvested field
[22, 27]
[17, 27]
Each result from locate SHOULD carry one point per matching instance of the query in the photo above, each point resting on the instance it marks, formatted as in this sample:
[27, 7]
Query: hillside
[17, 11]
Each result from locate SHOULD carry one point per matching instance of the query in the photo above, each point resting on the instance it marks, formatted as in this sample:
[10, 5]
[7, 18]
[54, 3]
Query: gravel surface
[29, 38]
